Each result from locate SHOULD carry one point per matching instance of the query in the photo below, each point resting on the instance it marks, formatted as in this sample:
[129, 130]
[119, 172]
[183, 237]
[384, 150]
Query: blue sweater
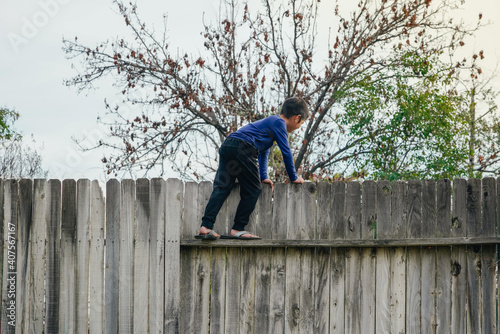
[262, 134]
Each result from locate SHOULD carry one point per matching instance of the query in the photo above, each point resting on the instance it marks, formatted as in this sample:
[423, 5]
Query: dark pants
[238, 160]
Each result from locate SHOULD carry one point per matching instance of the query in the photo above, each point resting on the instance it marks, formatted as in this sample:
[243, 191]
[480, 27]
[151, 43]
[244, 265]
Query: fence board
[429, 218]
[113, 199]
[68, 258]
[353, 290]
[126, 255]
[190, 221]
[473, 227]
[2, 250]
[324, 211]
[264, 222]
[202, 290]
[367, 288]
[280, 203]
[414, 229]
[204, 191]
[321, 270]
[296, 225]
[308, 215]
[413, 291]
[398, 278]
[156, 254]
[383, 298]
[292, 294]
[83, 223]
[173, 222]
[428, 290]
[399, 210]
[247, 292]
[339, 213]
[10, 279]
[384, 220]
[142, 225]
[187, 316]
[443, 199]
[497, 220]
[218, 289]
[473, 291]
[353, 211]
[278, 289]
[37, 254]
[96, 257]
[489, 198]
[443, 290]
[2, 221]
[369, 210]
[306, 306]
[337, 290]
[459, 208]
[458, 287]
[262, 290]
[24, 222]
[233, 282]
[488, 285]
[52, 273]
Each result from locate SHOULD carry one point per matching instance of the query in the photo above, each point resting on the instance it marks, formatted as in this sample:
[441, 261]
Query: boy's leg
[250, 189]
[223, 184]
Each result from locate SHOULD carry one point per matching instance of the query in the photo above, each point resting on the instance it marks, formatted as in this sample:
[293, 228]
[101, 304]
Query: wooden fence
[376, 257]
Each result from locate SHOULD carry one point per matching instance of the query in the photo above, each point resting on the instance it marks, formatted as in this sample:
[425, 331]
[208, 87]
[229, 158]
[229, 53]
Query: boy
[238, 160]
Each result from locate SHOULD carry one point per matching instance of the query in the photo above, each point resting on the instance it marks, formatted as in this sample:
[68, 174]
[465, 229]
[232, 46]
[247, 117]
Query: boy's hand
[299, 180]
[268, 181]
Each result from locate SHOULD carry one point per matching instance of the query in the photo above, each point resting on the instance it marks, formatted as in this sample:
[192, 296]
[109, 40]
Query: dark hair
[294, 106]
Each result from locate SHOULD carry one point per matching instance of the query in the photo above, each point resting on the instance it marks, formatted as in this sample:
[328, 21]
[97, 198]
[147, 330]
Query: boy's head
[294, 111]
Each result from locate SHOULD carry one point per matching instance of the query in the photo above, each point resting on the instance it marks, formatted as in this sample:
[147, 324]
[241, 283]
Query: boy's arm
[281, 137]
[263, 163]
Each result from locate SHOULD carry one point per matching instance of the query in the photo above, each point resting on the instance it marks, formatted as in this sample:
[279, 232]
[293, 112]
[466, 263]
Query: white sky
[33, 66]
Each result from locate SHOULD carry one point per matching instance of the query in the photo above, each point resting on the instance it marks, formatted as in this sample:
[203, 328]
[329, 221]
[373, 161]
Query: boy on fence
[238, 160]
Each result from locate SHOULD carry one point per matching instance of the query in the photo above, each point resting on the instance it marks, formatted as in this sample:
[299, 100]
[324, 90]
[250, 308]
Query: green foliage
[410, 124]
[7, 118]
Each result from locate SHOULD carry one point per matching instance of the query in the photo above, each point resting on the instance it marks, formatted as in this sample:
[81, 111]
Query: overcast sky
[33, 66]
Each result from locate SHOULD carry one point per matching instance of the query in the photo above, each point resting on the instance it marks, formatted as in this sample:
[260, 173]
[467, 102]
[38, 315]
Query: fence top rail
[427, 242]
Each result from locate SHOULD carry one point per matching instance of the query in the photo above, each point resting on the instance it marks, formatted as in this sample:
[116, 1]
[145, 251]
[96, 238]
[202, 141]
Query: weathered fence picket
[341, 257]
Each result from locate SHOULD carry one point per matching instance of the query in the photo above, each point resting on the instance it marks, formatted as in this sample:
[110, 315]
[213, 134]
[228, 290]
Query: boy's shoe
[209, 236]
[239, 236]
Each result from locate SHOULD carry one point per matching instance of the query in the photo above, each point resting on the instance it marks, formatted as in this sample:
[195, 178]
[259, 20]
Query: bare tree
[253, 61]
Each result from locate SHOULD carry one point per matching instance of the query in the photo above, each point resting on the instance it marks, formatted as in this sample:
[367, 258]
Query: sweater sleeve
[263, 163]
[281, 137]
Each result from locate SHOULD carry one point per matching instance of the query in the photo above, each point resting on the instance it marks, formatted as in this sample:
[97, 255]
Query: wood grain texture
[369, 209]
[96, 257]
[459, 213]
[68, 258]
[53, 260]
[38, 232]
[173, 222]
[10, 267]
[112, 260]
[126, 269]
[83, 222]
[443, 208]
[142, 225]
[353, 211]
[324, 211]
[24, 222]
[384, 219]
